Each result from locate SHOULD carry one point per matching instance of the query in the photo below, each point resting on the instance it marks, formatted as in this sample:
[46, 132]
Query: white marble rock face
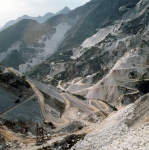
[51, 45]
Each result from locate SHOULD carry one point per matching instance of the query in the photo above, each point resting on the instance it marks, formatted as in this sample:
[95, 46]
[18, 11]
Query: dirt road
[68, 99]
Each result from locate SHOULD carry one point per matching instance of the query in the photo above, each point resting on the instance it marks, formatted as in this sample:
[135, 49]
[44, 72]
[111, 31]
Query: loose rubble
[115, 133]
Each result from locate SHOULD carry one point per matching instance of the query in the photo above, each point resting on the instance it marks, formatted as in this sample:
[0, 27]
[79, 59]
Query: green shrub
[80, 96]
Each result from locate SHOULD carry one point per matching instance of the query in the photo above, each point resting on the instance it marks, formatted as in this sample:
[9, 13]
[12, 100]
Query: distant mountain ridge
[32, 42]
[35, 42]
[39, 19]
[65, 10]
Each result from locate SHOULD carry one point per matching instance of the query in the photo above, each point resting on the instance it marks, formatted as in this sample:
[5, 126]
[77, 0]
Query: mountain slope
[87, 25]
[102, 14]
[13, 34]
[101, 78]
[14, 40]
[43, 39]
[94, 69]
[32, 42]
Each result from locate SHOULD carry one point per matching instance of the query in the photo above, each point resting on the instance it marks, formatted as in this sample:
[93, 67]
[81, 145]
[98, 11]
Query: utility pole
[40, 134]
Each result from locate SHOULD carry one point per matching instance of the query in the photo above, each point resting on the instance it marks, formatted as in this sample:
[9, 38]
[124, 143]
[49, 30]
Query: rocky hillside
[43, 39]
[112, 64]
[31, 41]
[101, 64]
[126, 129]
[87, 26]
[102, 14]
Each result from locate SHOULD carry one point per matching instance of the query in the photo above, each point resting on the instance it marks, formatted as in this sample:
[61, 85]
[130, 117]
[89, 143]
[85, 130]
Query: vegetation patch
[114, 108]
[143, 86]
[100, 75]
[80, 96]
[136, 25]
[66, 143]
[53, 82]
[18, 57]
[11, 35]
[91, 51]
[60, 76]
[142, 43]
[43, 69]
[107, 39]
[13, 60]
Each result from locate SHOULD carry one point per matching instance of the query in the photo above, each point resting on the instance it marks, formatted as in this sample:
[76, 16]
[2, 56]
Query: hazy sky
[12, 9]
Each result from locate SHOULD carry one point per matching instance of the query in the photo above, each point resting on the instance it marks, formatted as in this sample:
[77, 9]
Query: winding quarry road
[98, 106]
